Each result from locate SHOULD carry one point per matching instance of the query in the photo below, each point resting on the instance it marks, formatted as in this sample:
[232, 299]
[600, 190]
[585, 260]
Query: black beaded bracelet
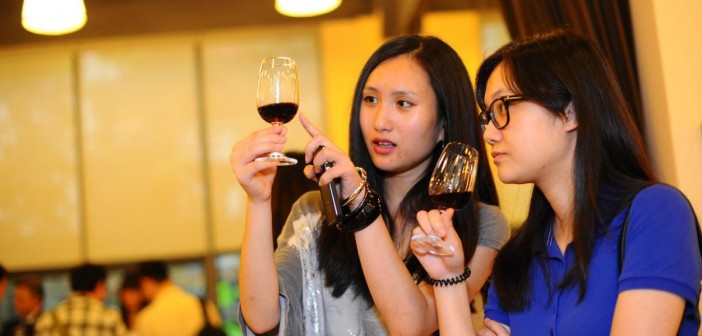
[365, 214]
[452, 281]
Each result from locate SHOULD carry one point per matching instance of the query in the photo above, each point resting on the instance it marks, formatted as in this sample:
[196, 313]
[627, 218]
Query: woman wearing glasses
[554, 117]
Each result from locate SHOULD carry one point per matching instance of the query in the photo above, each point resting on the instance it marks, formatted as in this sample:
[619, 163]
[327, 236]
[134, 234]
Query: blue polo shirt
[661, 253]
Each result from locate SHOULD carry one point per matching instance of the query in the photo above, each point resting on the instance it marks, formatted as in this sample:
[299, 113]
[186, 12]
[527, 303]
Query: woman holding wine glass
[605, 249]
[358, 276]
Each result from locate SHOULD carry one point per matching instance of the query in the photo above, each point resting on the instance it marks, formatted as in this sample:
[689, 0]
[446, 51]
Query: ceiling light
[53, 17]
[305, 8]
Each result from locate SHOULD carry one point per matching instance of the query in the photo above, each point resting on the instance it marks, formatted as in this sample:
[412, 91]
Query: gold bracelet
[354, 194]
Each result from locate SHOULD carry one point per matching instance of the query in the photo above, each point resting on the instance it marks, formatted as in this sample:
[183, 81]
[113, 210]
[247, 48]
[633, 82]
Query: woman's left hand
[343, 168]
[440, 224]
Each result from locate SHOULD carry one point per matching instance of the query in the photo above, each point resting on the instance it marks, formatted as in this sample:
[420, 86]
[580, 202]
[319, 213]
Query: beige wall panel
[231, 64]
[346, 45]
[142, 166]
[461, 30]
[39, 208]
[668, 42]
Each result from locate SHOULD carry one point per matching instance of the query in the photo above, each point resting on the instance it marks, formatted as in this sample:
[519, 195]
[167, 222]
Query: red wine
[452, 200]
[279, 112]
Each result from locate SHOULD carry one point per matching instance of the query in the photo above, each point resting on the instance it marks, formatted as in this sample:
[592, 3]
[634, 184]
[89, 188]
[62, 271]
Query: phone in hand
[331, 198]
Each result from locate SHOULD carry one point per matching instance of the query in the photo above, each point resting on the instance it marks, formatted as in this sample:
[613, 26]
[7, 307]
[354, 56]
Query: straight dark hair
[154, 269]
[85, 278]
[449, 79]
[555, 69]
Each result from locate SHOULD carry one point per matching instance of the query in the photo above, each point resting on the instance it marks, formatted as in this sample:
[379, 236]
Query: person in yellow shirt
[171, 310]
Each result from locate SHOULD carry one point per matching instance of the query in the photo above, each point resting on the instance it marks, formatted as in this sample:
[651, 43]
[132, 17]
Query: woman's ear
[571, 118]
[440, 143]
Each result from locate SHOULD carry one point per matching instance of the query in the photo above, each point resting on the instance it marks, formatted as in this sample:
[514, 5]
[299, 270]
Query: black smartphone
[331, 198]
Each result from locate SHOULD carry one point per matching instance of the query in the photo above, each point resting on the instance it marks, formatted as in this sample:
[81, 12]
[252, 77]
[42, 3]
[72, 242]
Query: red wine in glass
[277, 98]
[450, 186]
[454, 200]
[278, 112]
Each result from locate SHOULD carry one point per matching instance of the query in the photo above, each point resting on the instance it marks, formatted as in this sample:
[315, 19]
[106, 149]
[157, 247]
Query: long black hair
[555, 69]
[449, 79]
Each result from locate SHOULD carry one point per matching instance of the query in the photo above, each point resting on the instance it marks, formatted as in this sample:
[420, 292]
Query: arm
[454, 313]
[659, 279]
[452, 301]
[494, 233]
[258, 278]
[481, 268]
[647, 312]
[405, 308]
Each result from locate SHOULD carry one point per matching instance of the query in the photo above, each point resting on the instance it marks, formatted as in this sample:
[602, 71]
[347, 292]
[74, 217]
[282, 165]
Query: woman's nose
[383, 120]
[491, 134]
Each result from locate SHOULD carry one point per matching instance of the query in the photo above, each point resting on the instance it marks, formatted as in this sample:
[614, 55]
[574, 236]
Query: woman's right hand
[256, 177]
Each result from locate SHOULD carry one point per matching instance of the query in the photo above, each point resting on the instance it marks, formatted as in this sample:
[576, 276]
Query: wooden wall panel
[231, 64]
[39, 190]
[141, 140]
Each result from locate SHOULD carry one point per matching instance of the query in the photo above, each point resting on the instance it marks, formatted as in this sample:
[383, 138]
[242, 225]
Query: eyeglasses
[498, 112]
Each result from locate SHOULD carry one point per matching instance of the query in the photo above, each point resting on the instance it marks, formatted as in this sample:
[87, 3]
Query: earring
[440, 145]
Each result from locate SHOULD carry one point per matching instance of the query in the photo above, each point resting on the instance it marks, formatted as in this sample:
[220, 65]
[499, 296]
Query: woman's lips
[496, 156]
[383, 146]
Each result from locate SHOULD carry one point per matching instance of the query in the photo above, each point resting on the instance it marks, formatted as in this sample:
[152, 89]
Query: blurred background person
[84, 312]
[131, 299]
[171, 311]
[28, 296]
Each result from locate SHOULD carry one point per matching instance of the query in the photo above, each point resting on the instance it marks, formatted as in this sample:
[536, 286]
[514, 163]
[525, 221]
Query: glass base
[433, 244]
[280, 158]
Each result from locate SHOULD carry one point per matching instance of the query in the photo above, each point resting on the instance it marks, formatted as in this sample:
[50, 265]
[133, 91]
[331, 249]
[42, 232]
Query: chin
[510, 178]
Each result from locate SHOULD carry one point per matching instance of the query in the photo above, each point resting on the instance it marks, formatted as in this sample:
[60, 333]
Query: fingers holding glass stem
[432, 244]
[430, 236]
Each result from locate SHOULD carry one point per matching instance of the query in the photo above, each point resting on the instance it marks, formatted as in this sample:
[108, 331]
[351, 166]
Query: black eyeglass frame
[488, 115]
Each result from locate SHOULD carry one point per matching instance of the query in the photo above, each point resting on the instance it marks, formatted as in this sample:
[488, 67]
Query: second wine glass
[277, 98]
[450, 186]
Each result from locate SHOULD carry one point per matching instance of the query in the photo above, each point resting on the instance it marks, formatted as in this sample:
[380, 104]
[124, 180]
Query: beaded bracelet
[365, 214]
[452, 281]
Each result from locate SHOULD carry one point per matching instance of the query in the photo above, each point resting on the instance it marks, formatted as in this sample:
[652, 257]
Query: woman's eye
[404, 103]
[370, 99]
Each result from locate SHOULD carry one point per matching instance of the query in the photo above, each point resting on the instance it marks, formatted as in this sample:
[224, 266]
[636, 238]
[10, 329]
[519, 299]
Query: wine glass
[451, 185]
[277, 98]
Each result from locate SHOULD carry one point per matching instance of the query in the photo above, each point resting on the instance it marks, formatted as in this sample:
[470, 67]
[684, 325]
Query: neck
[398, 185]
[396, 188]
[561, 198]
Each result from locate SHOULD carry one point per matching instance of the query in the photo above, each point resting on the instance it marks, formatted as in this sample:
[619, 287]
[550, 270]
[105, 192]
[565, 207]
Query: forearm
[258, 278]
[481, 268]
[453, 310]
[401, 304]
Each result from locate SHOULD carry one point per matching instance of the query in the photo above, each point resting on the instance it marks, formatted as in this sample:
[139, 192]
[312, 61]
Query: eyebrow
[393, 93]
[497, 94]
